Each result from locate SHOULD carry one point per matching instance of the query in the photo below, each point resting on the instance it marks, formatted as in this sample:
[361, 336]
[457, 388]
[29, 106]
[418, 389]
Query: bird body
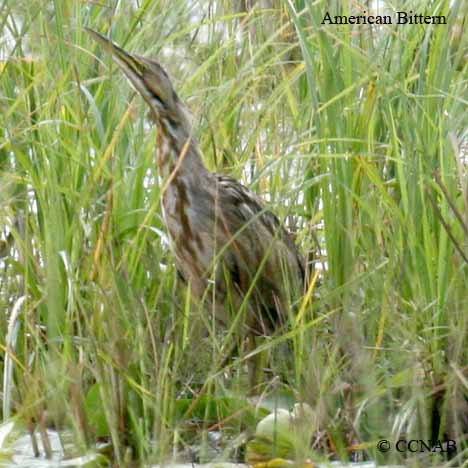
[220, 232]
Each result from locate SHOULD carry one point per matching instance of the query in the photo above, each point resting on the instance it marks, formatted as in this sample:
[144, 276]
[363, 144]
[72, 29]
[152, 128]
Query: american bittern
[221, 234]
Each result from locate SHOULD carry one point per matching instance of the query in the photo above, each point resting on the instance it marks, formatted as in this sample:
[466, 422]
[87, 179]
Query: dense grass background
[356, 136]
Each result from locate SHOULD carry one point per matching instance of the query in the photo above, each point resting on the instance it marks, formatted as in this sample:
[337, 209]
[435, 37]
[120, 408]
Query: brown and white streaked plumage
[220, 232]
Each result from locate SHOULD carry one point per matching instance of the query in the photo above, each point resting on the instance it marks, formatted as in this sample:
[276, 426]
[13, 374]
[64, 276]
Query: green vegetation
[354, 135]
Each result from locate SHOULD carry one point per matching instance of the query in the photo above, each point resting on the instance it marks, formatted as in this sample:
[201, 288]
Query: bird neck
[178, 153]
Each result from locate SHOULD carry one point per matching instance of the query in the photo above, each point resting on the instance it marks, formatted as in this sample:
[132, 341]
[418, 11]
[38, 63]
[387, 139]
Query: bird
[231, 250]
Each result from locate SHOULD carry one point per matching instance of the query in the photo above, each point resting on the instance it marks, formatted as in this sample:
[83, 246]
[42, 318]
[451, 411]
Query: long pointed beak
[131, 65]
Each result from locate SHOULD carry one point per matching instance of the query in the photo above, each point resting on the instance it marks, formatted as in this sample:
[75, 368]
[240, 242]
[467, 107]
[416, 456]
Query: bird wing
[259, 231]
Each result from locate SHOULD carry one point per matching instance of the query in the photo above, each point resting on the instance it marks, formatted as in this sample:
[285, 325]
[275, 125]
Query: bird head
[151, 81]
